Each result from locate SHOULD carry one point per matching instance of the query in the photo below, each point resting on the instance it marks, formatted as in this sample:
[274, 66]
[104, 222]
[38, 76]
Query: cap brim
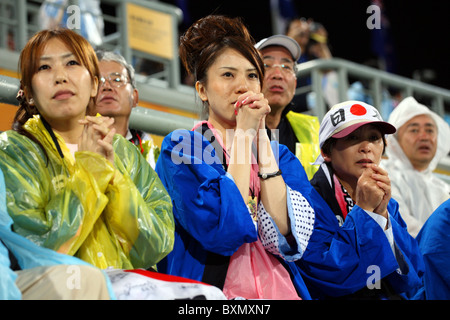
[385, 127]
[281, 40]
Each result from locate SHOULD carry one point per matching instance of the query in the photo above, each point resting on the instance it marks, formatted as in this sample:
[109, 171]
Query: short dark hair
[329, 144]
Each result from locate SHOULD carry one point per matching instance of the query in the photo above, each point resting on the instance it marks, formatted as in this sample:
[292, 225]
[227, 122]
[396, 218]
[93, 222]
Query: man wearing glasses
[117, 96]
[299, 132]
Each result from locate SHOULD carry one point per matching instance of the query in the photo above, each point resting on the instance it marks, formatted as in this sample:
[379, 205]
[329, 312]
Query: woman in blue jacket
[358, 191]
[233, 189]
[228, 182]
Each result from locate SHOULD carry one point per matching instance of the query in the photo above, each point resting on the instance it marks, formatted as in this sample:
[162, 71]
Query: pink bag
[253, 273]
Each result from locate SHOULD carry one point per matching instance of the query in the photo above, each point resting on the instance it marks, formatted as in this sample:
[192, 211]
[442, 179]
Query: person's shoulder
[5, 136]
[282, 150]
[145, 136]
[123, 147]
[13, 140]
[119, 139]
[184, 136]
[180, 132]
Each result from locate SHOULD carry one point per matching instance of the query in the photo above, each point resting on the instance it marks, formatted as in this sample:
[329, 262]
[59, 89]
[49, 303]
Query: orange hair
[29, 64]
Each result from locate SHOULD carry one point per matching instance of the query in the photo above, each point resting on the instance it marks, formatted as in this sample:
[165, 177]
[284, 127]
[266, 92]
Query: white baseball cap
[281, 40]
[345, 117]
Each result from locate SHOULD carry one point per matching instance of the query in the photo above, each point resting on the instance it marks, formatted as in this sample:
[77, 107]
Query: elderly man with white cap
[349, 180]
[297, 131]
[413, 154]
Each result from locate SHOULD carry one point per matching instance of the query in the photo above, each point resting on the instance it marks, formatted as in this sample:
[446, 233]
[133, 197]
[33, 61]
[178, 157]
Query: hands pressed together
[373, 190]
[251, 110]
[97, 136]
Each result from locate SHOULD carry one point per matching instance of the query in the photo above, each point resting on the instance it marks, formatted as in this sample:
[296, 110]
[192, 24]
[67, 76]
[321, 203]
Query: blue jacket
[434, 239]
[341, 260]
[210, 214]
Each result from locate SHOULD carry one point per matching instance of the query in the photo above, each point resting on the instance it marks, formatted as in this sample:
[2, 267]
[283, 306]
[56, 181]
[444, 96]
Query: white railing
[378, 81]
[19, 19]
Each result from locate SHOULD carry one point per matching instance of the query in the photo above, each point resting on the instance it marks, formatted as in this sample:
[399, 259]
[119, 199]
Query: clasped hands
[373, 190]
[251, 110]
[98, 136]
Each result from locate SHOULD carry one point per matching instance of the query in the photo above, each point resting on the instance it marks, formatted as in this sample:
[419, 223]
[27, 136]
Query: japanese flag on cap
[344, 118]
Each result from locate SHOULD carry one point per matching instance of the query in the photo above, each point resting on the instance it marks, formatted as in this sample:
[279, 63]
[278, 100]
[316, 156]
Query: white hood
[405, 111]
[418, 193]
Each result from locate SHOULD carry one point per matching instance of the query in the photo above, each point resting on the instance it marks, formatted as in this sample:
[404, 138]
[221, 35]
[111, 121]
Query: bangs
[78, 45]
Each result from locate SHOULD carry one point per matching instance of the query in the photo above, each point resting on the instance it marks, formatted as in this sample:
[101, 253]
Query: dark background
[419, 30]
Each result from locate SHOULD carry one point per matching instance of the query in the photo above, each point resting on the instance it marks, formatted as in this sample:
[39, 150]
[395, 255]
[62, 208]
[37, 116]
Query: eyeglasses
[285, 68]
[115, 79]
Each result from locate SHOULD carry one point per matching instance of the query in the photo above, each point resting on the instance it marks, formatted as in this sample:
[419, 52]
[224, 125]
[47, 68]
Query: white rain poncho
[418, 193]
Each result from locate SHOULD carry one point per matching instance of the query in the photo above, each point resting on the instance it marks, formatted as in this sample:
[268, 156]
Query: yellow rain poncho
[306, 129]
[110, 216]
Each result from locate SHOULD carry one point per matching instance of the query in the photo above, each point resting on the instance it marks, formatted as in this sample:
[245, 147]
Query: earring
[31, 102]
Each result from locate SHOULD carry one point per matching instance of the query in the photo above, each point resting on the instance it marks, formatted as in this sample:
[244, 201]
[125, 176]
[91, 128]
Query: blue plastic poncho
[28, 254]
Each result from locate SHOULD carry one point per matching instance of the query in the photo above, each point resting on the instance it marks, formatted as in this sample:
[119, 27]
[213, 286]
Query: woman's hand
[382, 179]
[373, 190]
[97, 136]
[251, 109]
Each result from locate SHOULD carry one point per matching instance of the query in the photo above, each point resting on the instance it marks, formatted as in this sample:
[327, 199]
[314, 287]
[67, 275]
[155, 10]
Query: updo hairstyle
[201, 44]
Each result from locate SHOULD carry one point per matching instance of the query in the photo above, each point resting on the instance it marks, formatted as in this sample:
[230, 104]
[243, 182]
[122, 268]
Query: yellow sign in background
[150, 31]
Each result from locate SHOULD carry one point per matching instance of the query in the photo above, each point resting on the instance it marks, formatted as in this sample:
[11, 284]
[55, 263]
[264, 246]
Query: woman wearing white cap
[413, 154]
[378, 247]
